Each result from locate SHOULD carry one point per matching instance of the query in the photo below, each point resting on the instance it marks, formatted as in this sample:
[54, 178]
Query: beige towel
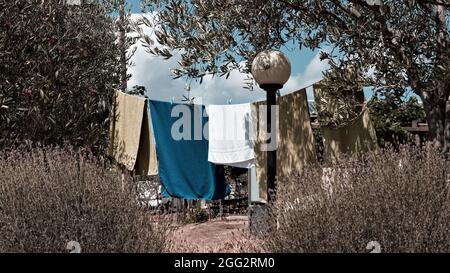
[357, 136]
[296, 145]
[147, 163]
[131, 139]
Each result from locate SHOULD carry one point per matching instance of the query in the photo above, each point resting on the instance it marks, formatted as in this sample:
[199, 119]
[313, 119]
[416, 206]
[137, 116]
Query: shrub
[391, 114]
[51, 196]
[59, 67]
[198, 214]
[399, 199]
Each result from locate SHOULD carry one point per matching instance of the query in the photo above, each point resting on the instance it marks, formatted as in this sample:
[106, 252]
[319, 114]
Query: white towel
[230, 135]
[244, 164]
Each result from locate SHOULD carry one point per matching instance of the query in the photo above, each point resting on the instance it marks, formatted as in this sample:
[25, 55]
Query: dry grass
[51, 196]
[399, 199]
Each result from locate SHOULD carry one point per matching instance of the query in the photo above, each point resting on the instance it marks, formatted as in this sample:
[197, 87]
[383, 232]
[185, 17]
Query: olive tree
[59, 67]
[390, 44]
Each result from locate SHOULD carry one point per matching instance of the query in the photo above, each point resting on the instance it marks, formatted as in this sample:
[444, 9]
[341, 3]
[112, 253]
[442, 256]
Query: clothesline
[228, 99]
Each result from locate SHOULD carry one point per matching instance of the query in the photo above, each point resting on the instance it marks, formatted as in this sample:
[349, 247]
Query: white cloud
[154, 73]
[312, 74]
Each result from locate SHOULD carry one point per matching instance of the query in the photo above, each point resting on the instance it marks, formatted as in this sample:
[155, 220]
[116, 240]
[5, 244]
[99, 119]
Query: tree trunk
[437, 110]
[122, 46]
[447, 128]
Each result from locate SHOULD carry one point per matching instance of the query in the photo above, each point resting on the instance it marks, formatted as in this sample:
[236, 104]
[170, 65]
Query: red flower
[93, 92]
[27, 92]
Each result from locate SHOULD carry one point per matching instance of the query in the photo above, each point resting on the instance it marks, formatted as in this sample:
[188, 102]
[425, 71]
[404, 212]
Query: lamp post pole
[271, 69]
[271, 97]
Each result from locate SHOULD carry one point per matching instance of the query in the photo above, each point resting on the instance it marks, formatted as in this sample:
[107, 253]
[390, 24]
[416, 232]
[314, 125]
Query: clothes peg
[187, 87]
[171, 100]
[229, 100]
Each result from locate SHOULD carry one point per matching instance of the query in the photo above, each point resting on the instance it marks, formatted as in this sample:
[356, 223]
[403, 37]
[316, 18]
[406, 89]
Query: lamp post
[271, 69]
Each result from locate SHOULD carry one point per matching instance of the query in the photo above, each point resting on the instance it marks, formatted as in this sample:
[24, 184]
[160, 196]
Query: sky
[154, 73]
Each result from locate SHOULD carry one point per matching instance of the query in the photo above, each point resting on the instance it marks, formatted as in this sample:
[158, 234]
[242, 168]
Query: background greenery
[58, 70]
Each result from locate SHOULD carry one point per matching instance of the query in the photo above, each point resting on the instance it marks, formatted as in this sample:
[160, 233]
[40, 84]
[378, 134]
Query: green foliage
[338, 97]
[389, 116]
[393, 43]
[390, 39]
[318, 140]
[58, 70]
[198, 214]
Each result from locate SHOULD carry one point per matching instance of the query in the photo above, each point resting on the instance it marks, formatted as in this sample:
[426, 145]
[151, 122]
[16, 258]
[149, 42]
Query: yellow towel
[131, 139]
[356, 136]
[296, 145]
[147, 163]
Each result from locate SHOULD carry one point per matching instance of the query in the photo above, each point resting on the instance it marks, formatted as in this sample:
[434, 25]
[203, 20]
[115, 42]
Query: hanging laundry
[131, 139]
[182, 151]
[147, 162]
[295, 138]
[356, 136]
[231, 140]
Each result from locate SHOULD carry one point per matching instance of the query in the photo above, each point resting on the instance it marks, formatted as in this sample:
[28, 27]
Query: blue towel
[184, 169]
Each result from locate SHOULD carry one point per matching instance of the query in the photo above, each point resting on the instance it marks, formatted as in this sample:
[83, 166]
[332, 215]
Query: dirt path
[216, 235]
